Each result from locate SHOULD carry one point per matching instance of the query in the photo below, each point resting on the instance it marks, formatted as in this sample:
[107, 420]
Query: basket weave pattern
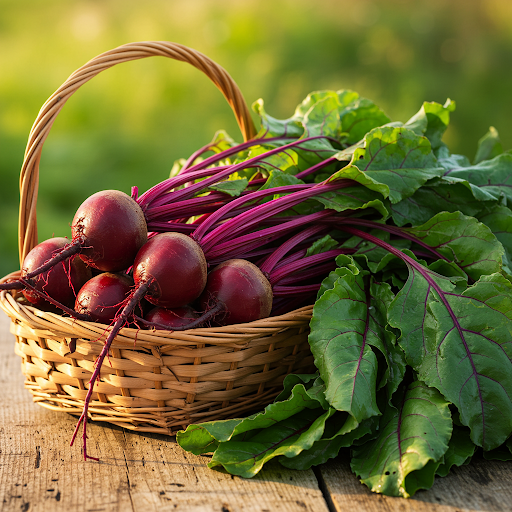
[153, 381]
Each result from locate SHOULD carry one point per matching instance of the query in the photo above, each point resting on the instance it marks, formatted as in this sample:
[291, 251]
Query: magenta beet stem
[307, 262]
[252, 218]
[120, 321]
[257, 238]
[401, 232]
[268, 265]
[224, 154]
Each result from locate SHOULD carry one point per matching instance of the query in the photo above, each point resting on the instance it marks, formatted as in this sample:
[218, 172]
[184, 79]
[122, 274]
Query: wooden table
[39, 471]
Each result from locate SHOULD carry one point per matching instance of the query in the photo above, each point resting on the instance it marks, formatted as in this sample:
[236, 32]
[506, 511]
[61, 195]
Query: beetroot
[243, 290]
[175, 267]
[110, 227]
[60, 282]
[101, 297]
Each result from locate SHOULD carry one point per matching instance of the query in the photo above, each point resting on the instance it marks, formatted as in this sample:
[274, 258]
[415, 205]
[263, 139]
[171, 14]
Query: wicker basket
[153, 381]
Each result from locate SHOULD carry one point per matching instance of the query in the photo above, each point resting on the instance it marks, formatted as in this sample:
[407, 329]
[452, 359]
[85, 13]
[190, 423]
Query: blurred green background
[128, 125]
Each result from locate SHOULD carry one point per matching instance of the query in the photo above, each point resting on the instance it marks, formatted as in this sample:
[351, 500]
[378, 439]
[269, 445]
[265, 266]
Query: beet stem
[255, 239]
[401, 232]
[153, 196]
[71, 312]
[127, 311]
[227, 208]
[245, 221]
[226, 153]
[302, 264]
[328, 161]
[292, 242]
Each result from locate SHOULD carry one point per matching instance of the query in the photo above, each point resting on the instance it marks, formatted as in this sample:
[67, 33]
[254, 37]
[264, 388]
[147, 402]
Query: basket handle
[29, 176]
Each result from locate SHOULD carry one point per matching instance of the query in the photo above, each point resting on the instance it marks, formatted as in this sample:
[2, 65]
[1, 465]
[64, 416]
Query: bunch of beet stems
[184, 203]
[282, 272]
[292, 276]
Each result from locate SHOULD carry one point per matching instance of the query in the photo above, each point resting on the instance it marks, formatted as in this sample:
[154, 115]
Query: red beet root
[101, 297]
[62, 281]
[243, 290]
[111, 228]
[176, 267]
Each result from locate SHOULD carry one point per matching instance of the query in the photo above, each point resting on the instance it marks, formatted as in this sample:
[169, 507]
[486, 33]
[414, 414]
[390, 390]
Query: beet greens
[414, 322]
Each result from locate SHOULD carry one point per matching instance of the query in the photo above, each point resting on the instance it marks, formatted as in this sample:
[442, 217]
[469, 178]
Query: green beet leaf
[464, 240]
[489, 146]
[498, 219]
[342, 261]
[348, 324]
[422, 478]
[317, 392]
[291, 380]
[375, 258]
[233, 188]
[205, 437]
[459, 342]
[413, 437]
[494, 176]
[503, 452]
[446, 194]
[277, 178]
[460, 450]
[331, 443]
[342, 115]
[272, 127]
[432, 121]
[359, 117]
[394, 162]
[221, 141]
[323, 117]
[323, 244]
[342, 98]
[245, 457]
[284, 162]
[354, 198]
[310, 152]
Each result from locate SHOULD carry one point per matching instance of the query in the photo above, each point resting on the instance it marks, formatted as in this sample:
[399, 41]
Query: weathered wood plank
[40, 472]
[481, 485]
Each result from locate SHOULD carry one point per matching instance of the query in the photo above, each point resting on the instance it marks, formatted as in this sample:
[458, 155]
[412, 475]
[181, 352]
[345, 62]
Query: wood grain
[39, 471]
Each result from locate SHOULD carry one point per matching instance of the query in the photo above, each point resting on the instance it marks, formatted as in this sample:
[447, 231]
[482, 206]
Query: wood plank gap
[322, 485]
